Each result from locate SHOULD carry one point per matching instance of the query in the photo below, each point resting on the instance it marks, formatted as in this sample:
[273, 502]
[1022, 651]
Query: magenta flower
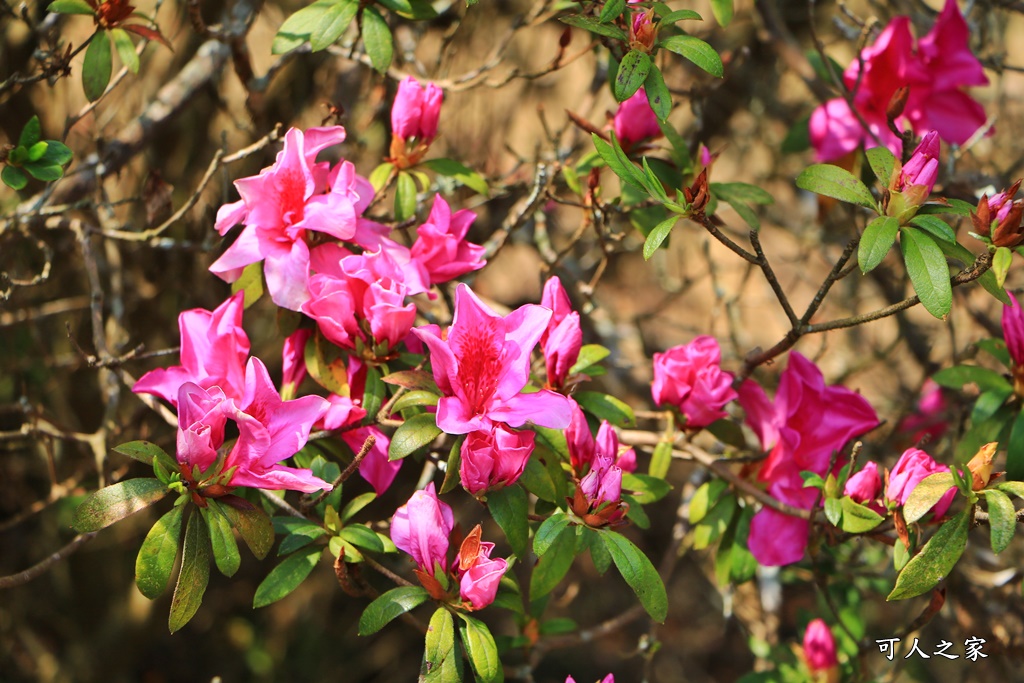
[819, 647]
[494, 459]
[807, 422]
[929, 420]
[441, 248]
[293, 361]
[484, 364]
[1013, 331]
[609, 678]
[635, 121]
[912, 467]
[864, 486]
[935, 72]
[579, 439]
[922, 169]
[414, 117]
[690, 378]
[479, 576]
[421, 528]
[563, 337]
[214, 348]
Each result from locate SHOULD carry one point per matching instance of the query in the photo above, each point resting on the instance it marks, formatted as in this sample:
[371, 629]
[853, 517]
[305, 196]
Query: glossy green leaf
[722, 9]
[633, 70]
[253, 525]
[298, 28]
[412, 379]
[356, 504]
[697, 51]
[619, 165]
[389, 607]
[286, 577]
[833, 511]
[332, 24]
[657, 236]
[374, 392]
[31, 133]
[146, 451]
[589, 355]
[415, 433]
[611, 10]
[661, 460]
[377, 39]
[452, 475]
[835, 182]
[882, 162]
[363, 537]
[535, 479]
[857, 518]
[639, 573]
[440, 657]
[222, 539]
[411, 9]
[959, 377]
[926, 494]
[125, 49]
[593, 26]
[926, 266]
[405, 197]
[875, 243]
[509, 508]
[606, 407]
[1015, 488]
[704, 498]
[678, 15]
[460, 172]
[658, 95]
[44, 171]
[13, 178]
[935, 560]
[113, 503]
[193, 576]
[481, 649]
[548, 531]
[646, 489]
[70, 7]
[97, 66]
[1001, 264]
[554, 563]
[155, 561]
[713, 525]
[1002, 519]
[250, 282]
[936, 227]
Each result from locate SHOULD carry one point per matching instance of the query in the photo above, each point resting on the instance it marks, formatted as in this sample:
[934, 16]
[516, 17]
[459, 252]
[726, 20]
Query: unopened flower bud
[981, 466]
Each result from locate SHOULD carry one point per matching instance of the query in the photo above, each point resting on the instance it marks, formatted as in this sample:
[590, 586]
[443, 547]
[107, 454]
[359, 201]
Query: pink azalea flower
[563, 337]
[866, 485]
[912, 467]
[922, 169]
[375, 467]
[935, 72]
[819, 647]
[293, 361]
[421, 528]
[635, 121]
[585, 450]
[214, 348]
[801, 429]
[484, 364]
[494, 459]
[579, 439]
[690, 378]
[277, 207]
[929, 420]
[1013, 331]
[441, 247]
[478, 582]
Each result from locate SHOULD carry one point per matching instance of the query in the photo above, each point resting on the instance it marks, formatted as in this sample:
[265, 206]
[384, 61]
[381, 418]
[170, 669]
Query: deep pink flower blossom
[1013, 330]
[635, 121]
[579, 439]
[923, 166]
[563, 337]
[807, 422]
[819, 646]
[270, 430]
[690, 378]
[375, 467]
[866, 485]
[935, 72]
[277, 207]
[441, 248]
[421, 528]
[214, 348]
[484, 364]
[494, 459]
[912, 467]
[478, 582]
[416, 110]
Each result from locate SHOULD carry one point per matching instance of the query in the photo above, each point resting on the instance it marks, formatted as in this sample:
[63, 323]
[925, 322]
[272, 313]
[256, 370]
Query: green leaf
[405, 197]
[373, 392]
[357, 504]
[857, 518]
[633, 70]
[678, 15]
[1001, 264]
[251, 282]
[877, 240]
[97, 66]
[411, 9]
[32, 133]
[300, 537]
[253, 525]
[590, 354]
[935, 560]
[658, 95]
[588, 24]
[1015, 450]
[193, 576]
[658, 235]
[460, 172]
[722, 9]
[835, 182]
[1002, 519]
[483, 653]
[647, 489]
[416, 432]
[440, 658]
[798, 137]
[959, 377]
[113, 503]
[697, 51]
[554, 563]
[389, 607]
[926, 494]
[452, 475]
[146, 451]
[606, 407]
[833, 511]
[44, 171]
[535, 479]
[1015, 488]
[661, 460]
[125, 49]
[714, 524]
[412, 379]
[155, 560]
[377, 39]
[509, 508]
[705, 498]
[882, 162]
[70, 7]
[286, 577]
[639, 573]
[13, 178]
[332, 24]
[298, 28]
[548, 531]
[611, 10]
[619, 163]
[936, 227]
[363, 537]
[222, 539]
[379, 176]
[926, 266]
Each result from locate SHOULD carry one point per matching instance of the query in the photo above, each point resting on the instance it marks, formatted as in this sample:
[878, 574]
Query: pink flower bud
[494, 459]
[912, 467]
[441, 248]
[690, 378]
[819, 646]
[416, 110]
[421, 528]
[864, 486]
[579, 438]
[923, 167]
[635, 121]
[479, 583]
[1013, 331]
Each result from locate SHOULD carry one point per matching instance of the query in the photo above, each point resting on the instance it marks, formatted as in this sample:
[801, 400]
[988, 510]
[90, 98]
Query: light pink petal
[288, 276]
[230, 215]
[243, 251]
[543, 408]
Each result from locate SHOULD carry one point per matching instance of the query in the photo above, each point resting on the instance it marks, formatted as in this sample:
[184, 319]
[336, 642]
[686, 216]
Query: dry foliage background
[79, 285]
